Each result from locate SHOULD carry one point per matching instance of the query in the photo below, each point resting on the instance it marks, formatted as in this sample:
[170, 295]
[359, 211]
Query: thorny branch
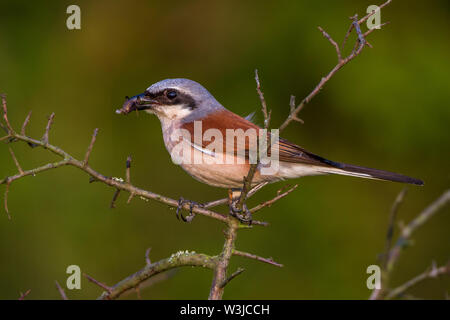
[342, 61]
[120, 184]
[218, 264]
[230, 234]
[176, 260]
[61, 291]
[430, 273]
[391, 256]
[24, 295]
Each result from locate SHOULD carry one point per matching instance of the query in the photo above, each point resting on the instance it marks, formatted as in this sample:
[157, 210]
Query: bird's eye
[171, 94]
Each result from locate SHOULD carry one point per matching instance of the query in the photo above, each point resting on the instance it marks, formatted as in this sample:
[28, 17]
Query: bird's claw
[191, 215]
[243, 215]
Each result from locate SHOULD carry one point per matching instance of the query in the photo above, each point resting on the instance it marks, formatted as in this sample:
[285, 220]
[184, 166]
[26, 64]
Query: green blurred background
[387, 109]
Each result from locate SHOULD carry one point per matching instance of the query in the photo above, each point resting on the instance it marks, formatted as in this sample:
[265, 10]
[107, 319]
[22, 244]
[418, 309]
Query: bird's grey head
[173, 99]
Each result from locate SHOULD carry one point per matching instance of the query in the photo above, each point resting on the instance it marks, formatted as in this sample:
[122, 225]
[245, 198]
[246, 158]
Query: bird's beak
[138, 102]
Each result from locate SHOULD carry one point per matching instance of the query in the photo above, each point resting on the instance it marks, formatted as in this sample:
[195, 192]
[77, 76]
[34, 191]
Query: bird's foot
[181, 203]
[243, 215]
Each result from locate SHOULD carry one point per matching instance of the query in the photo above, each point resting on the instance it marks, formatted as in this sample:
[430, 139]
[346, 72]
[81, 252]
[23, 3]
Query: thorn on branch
[15, 161]
[246, 186]
[138, 292]
[390, 231]
[430, 273]
[371, 30]
[346, 36]
[8, 182]
[258, 258]
[25, 123]
[92, 179]
[61, 291]
[405, 237]
[227, 200]
[265, 112]
[89, 149]
[130, 197]
[47, 128]
[359, 45]
[355, 23]
[333, 43]
[280, 195]
[5, 138]
[115, 196]
[147, 256]
[127, 173]
[4, 128]
[9, 128]
[23, 295]
[292, 114]
[98, 283]
[234, 275]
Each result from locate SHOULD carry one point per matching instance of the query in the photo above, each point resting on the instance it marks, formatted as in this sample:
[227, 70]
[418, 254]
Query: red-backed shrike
[193, 123]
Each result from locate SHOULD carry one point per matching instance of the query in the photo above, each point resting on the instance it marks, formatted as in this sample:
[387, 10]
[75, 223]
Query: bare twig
[100, 284]
[255, 257]
[150, 282]
[390, 231]
[372, 30]
[294, 117]
[115, 196]
[4, 128]
[61, 291]
[8, 183]
[430, 273]
[89, 149]
[404, 238]
[127, 173]
[248, 180]
[15, 161]
[349, 31]
[265, 112]
[176, 260]
[47, 128]
[335, 45]
[407, 231]
[9, 128]
[25, 123]
[147, 256]
[233, 275]
[247, 185]
[268, 203]
[222, 201]
[23, 295]
[69, 160]
[359, 45]
[130, 197]
[5, 138]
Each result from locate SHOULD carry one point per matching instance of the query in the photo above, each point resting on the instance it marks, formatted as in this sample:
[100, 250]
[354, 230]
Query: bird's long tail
[369, 173]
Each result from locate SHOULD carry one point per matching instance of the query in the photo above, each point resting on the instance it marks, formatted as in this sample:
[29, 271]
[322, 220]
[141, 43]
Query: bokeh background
[387, 109]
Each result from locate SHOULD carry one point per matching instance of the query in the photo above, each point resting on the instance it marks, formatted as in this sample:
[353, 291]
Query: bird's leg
[191, 215]
[243, 215]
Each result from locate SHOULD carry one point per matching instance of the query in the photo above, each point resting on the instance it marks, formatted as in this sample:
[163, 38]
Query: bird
[201, 126]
